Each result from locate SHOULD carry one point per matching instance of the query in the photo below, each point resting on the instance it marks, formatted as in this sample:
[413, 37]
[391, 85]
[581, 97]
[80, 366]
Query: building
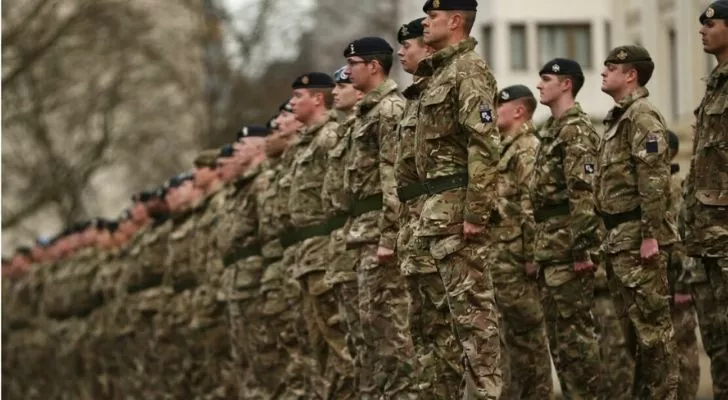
[516, 37]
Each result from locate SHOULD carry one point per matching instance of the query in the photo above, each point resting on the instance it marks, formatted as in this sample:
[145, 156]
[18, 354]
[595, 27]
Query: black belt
[365, 205]
[432, 186]
[544, 213]
[612, 221]
[240, 253]
[322, 229]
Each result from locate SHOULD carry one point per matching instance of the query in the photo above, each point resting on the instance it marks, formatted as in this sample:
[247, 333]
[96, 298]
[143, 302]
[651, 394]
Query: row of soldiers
[368, 244]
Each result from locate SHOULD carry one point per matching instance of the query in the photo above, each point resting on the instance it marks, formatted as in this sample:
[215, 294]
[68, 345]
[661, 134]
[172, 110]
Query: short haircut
[327, 93]
[644, 70]
[385, 60]
[469, 17]
[530, 104]
[577, 81]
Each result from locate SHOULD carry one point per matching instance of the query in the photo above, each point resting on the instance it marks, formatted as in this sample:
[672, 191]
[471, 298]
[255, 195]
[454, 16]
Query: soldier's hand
[384, 255]
[683, 300]
[584, 267]
[531, 269]
[649, 249]
[471, 230]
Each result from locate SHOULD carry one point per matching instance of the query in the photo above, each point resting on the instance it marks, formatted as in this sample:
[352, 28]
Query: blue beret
[342, 75]
[368, 46]
[313, 80]
[450, 5]
[411, 30]
[562, 66]
[716, 10]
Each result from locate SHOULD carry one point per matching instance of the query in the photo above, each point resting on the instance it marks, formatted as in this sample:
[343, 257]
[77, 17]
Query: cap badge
[436, 3]
[245, 129]
[351, 48]
[622, 55]
[404, 30]
[710, 12]
[505, 95]
[305, 80]
[555, 68]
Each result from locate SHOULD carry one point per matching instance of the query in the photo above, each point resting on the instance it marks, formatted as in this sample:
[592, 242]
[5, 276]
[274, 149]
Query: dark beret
[627, 54]
[226, 151]
[253, 131]
[411, 30]
[716, 10]
[514, 92]
[178, 180]
[342, 75]
[285, 106]
[160, 192]
[207, 158]
[111, 226]
[313, 80]
[562, 66]
[459, 5]
[24, 250]
[368, 46]
[143, 196]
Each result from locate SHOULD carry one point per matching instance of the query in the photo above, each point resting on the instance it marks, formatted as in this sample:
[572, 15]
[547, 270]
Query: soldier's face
[411, 52]
[437, 28]
[287, 122]
[303, 103]
[360, 72]
[204, 176]
[345, 96]
[714, 34]
[550, 89]
[506, 115]
[615, 78]
[139, 212]
[20, 262]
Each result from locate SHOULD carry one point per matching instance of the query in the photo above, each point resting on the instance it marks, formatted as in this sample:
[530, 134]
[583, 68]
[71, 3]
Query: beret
[178, 180]
[450, 5]
[562, 66]
[342, 75]
[226, 151]
[411, 30]
[207, 158]
[253, 131]
[24, 250]
[627, 54]
[514, 92]
[716, 10]
[368, 46]
[313, 80]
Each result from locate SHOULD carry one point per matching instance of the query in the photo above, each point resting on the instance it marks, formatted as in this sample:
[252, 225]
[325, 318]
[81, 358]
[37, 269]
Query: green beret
[627, 54]
[450, 5]
[411, 30]
[514, 92]
[716, 10]
[314, 80]
[207, 158]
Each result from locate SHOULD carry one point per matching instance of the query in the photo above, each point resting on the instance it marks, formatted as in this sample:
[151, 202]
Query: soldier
[567, 229]
[311, 103]
[706, 198]
[516, 293]
[632, 188]
[385, 349]
[456, 156]
[437, 370]
[341, 274]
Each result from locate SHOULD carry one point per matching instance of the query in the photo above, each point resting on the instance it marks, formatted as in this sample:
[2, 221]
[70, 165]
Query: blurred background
[101, 98]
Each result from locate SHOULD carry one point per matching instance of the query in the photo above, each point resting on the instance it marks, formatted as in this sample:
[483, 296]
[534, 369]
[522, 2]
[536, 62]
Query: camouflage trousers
[524, 331]
[567, 300]
[618, 365]
[688, 353]
[463, 269]
[385, 350]
[710, 299]
[347, 297]
[641, 298]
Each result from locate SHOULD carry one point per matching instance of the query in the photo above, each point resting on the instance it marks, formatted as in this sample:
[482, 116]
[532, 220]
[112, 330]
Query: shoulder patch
[486, 114]
[651, 144]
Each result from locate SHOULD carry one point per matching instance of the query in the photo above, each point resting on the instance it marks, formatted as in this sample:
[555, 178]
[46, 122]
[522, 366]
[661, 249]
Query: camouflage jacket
[205, 259]
[706, 187]
[405, 171]
[266, 194]
[634, 171]
[516, 225]
[563, 174]
[307, 171]
[456, 133]
[178, 264]
[238, 225]
[370, 165]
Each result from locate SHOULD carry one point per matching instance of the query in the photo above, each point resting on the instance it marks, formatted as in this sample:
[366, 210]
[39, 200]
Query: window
[488, 44]
[674, 80]
[519, 60]
[607, 37]
[567, 41]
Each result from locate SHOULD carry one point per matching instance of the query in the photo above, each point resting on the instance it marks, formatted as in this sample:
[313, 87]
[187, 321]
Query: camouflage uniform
[437, 357]
[310, 224]
[632, 187]
[456, 154]
[617, 361]
[239, 246]
[385, 349]
[706, 230]
[567, 229]
[340, 273]
[517, 295]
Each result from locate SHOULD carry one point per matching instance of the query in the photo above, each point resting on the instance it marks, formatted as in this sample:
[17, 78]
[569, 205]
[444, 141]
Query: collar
[440, 58]
[373, 98]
